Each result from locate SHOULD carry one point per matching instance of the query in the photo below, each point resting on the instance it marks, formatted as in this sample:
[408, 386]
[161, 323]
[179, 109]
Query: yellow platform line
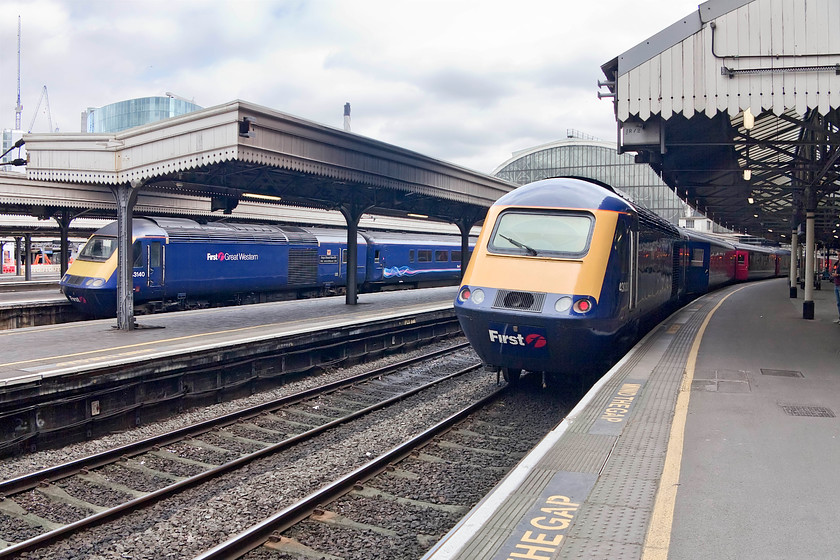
[658, 538]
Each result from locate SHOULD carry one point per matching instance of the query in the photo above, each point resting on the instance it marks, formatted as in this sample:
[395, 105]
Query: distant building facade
[10, 137]
[599, 160]
[134, 112]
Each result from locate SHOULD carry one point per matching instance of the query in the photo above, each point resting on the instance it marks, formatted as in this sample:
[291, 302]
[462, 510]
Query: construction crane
[19, 107]
[44, 96]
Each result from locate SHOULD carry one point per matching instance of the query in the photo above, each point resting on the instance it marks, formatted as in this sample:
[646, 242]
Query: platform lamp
[749, 122]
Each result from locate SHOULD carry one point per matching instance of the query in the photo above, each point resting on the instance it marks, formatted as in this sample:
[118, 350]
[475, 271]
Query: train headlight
[583, 306]
[477, 295]
[563, 304]
[94, 282]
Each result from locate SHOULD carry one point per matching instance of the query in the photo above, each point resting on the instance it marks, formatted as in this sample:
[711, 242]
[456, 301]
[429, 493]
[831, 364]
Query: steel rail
[53, 536]
[57, 472]
[249, 539]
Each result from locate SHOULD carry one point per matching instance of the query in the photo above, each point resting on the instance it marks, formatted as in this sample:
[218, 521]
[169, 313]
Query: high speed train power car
[181, 264]
[566, 273]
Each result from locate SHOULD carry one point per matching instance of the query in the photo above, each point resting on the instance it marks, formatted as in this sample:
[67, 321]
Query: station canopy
[241, 151]
[736, 107]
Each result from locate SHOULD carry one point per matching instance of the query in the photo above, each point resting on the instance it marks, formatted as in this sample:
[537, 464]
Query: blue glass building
[595, 159]
[134, 112]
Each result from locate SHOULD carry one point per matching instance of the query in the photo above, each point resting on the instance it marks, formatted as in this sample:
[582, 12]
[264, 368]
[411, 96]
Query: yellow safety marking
[111, 350]
[658, 538]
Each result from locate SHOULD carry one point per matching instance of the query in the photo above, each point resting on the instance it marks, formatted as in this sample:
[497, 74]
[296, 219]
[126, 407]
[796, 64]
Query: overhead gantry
[227, 152]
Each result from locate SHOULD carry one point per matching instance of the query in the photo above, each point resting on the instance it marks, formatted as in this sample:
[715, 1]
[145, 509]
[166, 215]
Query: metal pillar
[465, 225]
[27, 256]
[63, 218]
[794, 255]
[808, 304]
[18, 259]
[125, 195]
[352, 212]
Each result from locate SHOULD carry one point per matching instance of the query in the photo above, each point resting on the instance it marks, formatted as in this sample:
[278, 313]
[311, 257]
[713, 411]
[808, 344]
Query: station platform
[715, 437]
[39, 353]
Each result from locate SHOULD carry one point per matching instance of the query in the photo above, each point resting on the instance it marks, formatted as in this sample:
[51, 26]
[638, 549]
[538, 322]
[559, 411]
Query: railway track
[43, 507]
[67, 516]
[398, 505]
[307, 521]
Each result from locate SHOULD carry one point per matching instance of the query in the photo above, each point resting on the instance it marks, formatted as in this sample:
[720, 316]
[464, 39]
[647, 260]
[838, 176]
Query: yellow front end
[583, 276]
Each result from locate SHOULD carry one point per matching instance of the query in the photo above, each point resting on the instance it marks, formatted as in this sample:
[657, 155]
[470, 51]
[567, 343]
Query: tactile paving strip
[624, 491]
[577, 548]
[601, 523]
[612, 521]
[579, 453]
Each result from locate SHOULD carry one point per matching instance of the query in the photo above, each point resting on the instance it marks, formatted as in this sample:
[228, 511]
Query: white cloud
[464, 81]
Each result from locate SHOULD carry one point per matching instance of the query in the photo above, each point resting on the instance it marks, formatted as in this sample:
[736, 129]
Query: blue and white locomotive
[181, 264]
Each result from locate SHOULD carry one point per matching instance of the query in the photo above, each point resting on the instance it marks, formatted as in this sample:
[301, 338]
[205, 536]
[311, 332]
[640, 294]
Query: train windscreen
[542, 233]
[98, 248]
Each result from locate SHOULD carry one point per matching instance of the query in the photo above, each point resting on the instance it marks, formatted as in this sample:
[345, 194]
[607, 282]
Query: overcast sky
[464, 81]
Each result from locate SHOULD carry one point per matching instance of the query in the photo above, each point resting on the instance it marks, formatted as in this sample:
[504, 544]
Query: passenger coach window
[697, 257]
[411, 256]
[139, 255]
[456, 256]
[155, 254]
[441, 256]
[554, 234]
[98, 248]
[424, 255]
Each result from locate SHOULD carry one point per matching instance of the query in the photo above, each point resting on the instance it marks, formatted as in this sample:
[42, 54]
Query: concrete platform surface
[716, 437]
[38, 352]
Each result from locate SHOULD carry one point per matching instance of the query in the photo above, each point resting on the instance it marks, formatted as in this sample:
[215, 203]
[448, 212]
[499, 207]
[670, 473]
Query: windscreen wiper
[531, 251]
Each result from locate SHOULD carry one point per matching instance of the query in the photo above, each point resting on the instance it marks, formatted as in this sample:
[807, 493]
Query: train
[567, 274]
[181, 264]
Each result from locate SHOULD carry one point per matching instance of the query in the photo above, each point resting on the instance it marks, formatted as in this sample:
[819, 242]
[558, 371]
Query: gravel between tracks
[198, 519]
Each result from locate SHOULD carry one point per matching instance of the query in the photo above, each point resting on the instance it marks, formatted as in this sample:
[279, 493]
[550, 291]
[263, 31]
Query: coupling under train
[181, 264]
[567, 274]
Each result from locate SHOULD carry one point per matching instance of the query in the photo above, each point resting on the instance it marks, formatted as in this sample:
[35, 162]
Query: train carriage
[566, 273]
[181, 264]
[563, 272]
[709, 263]
[755, 262]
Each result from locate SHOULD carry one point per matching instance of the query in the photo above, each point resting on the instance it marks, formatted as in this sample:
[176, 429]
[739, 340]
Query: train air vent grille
[520, 301]
[303, 266]
[74, 280]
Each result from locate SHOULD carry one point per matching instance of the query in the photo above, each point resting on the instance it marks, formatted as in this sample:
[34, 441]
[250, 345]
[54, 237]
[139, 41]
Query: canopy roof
[736, 105]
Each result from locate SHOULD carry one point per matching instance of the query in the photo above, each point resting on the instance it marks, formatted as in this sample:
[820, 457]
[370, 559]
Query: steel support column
[125, 195]
[63, 219]
[464, 226]
[794, 255]
[808, 304]
[352, 212]
[27, 256]
[18, 257]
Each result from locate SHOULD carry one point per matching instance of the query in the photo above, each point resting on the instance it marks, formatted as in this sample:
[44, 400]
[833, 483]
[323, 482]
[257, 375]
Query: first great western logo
[532, 340]
[222, 256]
[515, 338]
